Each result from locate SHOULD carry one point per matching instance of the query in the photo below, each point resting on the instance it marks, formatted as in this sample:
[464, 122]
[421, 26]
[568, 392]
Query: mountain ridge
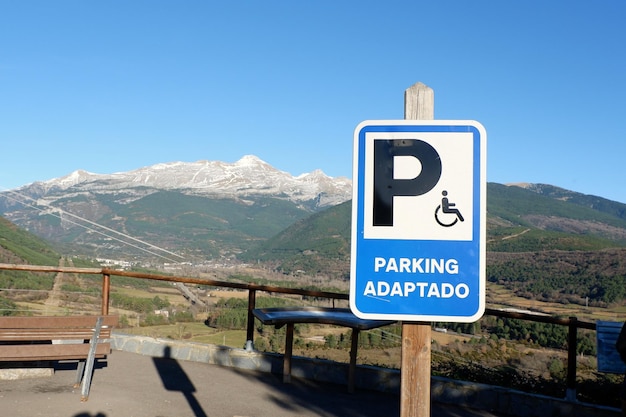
[205, 209]
[217, 210]
[248, 175]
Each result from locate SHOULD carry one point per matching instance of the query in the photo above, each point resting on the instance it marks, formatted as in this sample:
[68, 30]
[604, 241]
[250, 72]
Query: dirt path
[516, 235]
[54, 296]
[512, 236]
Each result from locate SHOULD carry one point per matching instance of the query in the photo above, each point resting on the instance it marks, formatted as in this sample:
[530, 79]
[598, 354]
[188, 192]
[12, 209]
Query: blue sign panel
[419, 220]
[609, 359]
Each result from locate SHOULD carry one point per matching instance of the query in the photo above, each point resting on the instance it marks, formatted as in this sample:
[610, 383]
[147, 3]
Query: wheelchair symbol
[447, 208]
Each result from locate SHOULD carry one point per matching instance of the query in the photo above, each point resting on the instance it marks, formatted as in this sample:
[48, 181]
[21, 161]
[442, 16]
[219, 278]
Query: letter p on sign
[387, 183]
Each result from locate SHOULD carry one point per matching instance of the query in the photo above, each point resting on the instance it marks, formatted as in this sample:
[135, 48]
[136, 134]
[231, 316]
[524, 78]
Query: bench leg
[352, 369]
[80, 371]
[89, 362]
[288, 353]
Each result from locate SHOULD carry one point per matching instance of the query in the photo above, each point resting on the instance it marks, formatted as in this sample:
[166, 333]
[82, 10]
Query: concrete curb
[443, 390]
[11, 374]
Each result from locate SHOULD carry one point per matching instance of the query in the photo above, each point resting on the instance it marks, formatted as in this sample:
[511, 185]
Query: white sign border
[482, 181]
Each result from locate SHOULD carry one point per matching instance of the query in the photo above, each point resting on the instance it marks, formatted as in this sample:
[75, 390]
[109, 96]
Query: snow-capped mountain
[212, 209]
[248, 176]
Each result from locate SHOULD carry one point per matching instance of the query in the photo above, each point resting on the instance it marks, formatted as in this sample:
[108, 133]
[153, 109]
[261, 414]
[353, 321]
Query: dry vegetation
[454, 355]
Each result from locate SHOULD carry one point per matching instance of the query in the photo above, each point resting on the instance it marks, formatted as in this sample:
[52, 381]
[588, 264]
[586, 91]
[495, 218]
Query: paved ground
[132, 385]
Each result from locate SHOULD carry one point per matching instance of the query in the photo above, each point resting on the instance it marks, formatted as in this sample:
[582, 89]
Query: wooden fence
[572, 323]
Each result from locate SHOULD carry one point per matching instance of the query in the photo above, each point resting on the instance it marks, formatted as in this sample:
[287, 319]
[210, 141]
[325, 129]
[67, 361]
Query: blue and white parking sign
[419, 220]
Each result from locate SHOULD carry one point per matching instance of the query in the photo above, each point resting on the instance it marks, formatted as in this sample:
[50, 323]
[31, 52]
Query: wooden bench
[333, 316]
[609, 360]
[83, 338]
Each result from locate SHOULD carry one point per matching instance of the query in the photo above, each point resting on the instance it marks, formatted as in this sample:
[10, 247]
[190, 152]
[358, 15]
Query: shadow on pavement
[174, 378]
[324, 399]
[333, 400]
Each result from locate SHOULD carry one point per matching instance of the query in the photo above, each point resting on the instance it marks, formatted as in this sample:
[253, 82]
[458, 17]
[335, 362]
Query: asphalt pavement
[132, 385]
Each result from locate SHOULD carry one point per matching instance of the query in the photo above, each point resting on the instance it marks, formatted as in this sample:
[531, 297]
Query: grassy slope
[17, 245]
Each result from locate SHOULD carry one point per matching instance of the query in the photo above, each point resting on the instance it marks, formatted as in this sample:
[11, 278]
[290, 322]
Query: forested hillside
[19, 246]
[596, 278]
[543, 242]
[317, 244]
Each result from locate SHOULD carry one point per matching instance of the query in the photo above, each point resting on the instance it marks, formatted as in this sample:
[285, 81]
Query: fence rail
[572, 323]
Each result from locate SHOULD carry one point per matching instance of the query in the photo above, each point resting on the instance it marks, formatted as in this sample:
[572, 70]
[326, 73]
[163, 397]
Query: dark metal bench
[83, 338]
[333, 316]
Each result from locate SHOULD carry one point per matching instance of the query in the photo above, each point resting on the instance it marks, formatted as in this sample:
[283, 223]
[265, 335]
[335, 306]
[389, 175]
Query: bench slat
[18, 337]
[50, 334]
[63, 322]
[16, 353]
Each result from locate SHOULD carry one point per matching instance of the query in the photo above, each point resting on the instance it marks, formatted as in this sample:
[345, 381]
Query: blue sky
[117, 85]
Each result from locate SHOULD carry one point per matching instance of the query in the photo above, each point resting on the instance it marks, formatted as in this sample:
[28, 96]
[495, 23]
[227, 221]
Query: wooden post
[250, 328]
[106, 290]
[288, 354]
[419, 104]
[572, 340]
[354, 345]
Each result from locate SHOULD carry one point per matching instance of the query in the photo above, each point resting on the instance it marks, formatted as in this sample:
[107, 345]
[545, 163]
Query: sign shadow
[174, 378]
